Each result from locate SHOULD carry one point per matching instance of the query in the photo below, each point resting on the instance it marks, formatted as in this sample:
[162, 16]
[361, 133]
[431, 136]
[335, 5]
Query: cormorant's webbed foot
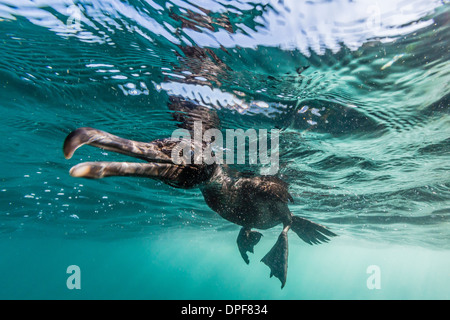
[277, 258]
[246, 241]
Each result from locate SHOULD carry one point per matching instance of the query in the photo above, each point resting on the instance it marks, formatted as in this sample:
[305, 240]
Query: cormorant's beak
[159, 164]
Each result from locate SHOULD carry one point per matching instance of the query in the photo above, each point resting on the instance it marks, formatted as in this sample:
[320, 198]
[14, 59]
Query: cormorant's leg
[98, 170]
[101, 139]
[277, 258]
[246, 240]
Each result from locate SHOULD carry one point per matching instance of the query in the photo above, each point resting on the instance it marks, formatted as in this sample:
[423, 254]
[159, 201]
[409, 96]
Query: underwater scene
[318, 166]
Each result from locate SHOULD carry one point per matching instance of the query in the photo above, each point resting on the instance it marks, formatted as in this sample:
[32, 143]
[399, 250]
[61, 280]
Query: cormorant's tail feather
[310, 232]
[276, 259]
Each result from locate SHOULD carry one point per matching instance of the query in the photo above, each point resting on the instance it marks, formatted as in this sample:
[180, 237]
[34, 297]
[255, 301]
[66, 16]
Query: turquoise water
[360, 91]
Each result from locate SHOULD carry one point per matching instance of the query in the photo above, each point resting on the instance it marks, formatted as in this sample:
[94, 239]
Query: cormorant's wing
[187, 112]
[270, 187]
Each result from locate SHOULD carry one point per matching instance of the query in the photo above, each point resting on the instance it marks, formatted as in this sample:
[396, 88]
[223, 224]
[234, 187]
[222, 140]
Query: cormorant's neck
[219, 177]
[215, 189]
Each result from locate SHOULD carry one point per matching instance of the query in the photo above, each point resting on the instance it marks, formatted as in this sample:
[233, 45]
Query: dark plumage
[259, 202]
